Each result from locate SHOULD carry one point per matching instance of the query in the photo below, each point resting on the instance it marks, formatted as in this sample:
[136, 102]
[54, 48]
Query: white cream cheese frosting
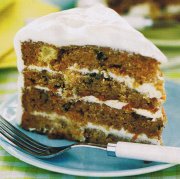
[147, 89]
[116, 104]
[119, 105]
[20, 109]
[120, 133]
[96, 25]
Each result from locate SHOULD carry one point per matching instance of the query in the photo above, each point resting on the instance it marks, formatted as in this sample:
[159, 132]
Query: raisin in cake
[87, 75]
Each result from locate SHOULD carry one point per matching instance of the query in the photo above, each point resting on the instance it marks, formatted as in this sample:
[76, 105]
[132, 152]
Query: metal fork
[29, 145]
[121, 149]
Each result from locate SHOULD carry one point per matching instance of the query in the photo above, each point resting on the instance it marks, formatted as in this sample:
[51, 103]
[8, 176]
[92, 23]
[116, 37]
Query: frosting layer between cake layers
[147, 89]
[111, 103]
[120, 133]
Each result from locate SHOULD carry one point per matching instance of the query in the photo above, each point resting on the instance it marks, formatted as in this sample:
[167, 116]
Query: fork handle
[145, 152]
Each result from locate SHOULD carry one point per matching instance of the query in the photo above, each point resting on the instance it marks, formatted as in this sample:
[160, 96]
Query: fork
[145, 152]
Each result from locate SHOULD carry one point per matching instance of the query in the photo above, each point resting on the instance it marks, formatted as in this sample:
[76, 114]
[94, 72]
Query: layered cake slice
[87, 75]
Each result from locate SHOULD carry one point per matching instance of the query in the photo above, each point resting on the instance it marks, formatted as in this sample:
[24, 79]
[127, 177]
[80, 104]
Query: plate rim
[49, 167]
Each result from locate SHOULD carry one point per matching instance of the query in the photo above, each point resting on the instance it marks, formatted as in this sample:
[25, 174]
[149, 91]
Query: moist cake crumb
[90, 77]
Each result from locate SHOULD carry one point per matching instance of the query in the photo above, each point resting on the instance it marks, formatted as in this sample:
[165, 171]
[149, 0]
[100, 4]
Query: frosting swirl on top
[96, 25]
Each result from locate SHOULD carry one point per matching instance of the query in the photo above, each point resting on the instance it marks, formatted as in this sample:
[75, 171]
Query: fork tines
[21, 140]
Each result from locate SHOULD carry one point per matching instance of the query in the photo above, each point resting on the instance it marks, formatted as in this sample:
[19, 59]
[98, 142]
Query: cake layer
[142, 69]
[56, 126]
[84, 112]
[97, 25]
[94, 84]
[44, 78]
[111, 103]
[149, 90]
[59, 127]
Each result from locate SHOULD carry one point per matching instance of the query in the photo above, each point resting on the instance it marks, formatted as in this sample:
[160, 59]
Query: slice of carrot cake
[87, 75]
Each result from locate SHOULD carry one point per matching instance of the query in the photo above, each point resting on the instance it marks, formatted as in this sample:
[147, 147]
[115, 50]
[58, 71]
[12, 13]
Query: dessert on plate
[86, 75]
